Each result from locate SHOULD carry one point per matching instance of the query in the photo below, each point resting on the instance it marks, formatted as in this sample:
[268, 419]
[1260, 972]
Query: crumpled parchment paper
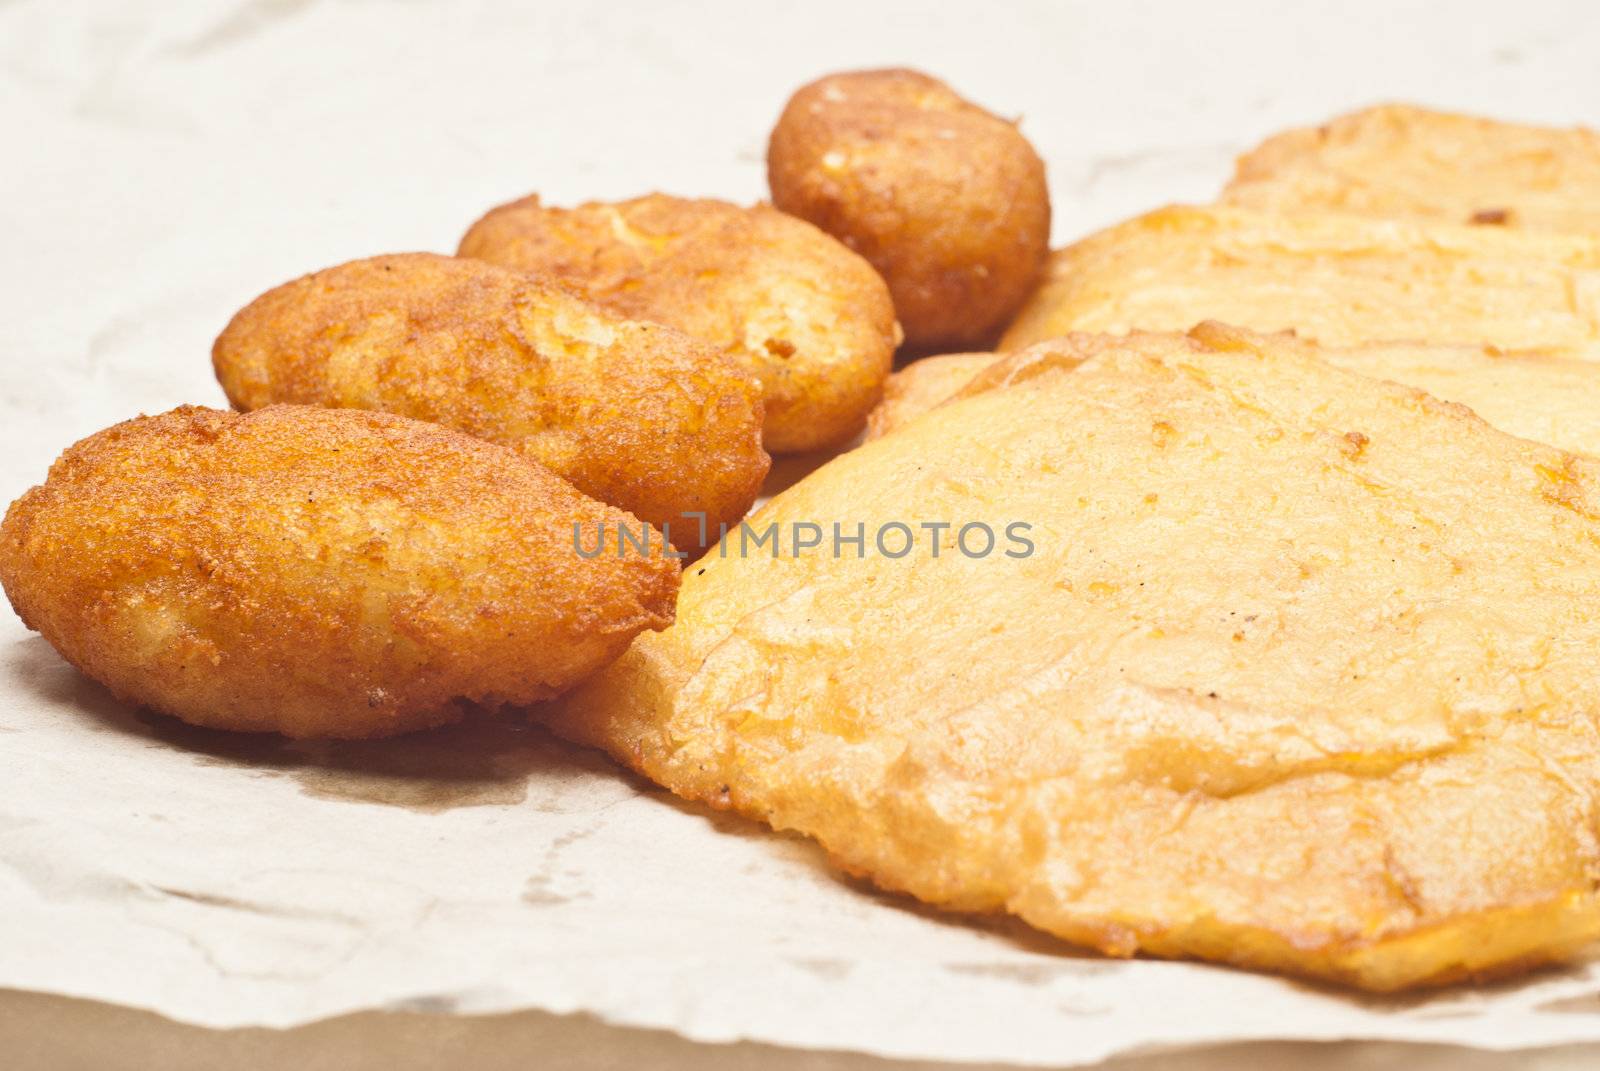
[229, 880]
[168, 163]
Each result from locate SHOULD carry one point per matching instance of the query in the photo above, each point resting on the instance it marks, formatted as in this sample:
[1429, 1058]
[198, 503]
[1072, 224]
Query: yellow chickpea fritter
[1337, 278]
[1400, 160]
[321, 573]
[1296, 671]
[635, 414]
[808, 317]
[1537, 396]
[947, 200]
[921, 385]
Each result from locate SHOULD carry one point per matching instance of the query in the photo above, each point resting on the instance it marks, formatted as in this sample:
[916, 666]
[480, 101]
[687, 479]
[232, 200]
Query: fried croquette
[1299, 675]
[633, 413]
[1338, 279]
[1529, 395]
[1402, 160]
[321, 572]
[946, 200]
[921, 385]
[808, 317]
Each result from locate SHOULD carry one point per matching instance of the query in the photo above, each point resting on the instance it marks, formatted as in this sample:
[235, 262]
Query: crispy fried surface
[633, 413]
[806, 315]
[1529, 395]
[921, 385]
[947, 201]
[1354, 738]
[320, 573]
[1401, 160]
[1338, 279]
[1553, 400]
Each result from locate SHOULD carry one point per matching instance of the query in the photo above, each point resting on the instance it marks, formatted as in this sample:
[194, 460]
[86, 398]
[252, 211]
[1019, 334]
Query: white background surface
[163, 163]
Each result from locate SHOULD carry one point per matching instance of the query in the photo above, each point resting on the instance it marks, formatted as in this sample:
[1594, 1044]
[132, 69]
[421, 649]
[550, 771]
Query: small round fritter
[946, 200]
[807, 316]
[322, 572]
[636, 414]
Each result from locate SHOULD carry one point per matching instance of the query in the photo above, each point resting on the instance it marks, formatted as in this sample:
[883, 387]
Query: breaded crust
[1338, 279]
[1530, 395]
[320, 573]
[1299, 676]
[807, 316]
[948, 201]
[1402, 160]
[921, 385]
[633, 413]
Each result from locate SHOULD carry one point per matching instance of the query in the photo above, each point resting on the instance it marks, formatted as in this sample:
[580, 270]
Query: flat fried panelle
[633, 413]
[1532, 396]
[1402, 160]
[921, 385]
[1337, 279]
[1553, 400]
[948, 201]
[800, 311]
[1299, 676]
[320, 572]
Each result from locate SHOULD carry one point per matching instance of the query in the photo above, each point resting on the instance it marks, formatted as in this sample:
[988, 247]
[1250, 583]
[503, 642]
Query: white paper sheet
[165, 163]
[230, 881]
